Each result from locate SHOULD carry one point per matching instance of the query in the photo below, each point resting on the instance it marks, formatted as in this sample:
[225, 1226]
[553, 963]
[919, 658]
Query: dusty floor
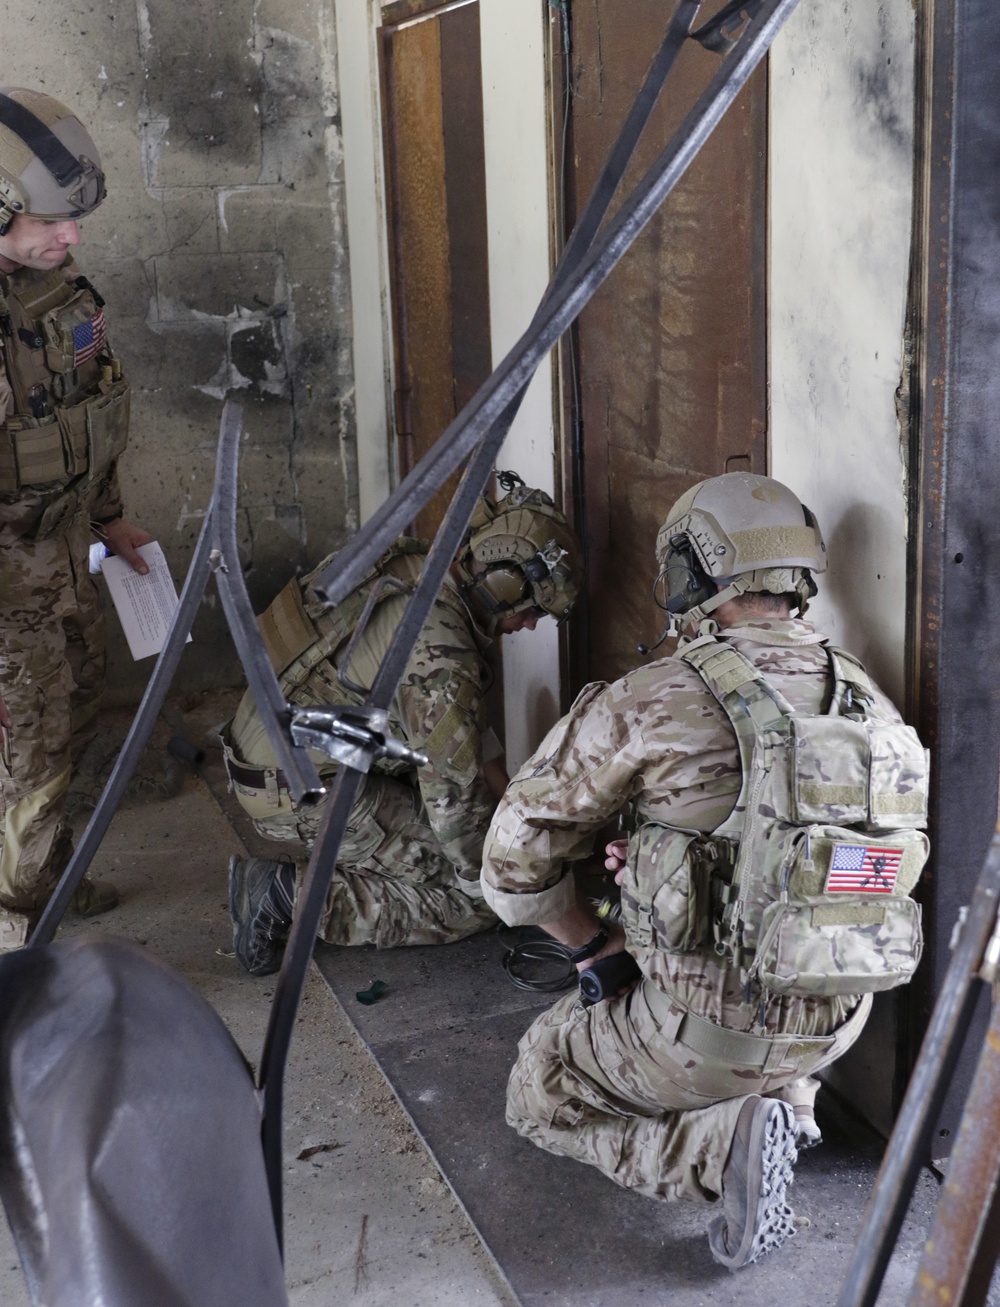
[368, 1218]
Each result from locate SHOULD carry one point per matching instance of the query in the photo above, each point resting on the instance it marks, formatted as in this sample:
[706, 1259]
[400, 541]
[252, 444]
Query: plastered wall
[517, 198]
[841, 169]
[221, 251]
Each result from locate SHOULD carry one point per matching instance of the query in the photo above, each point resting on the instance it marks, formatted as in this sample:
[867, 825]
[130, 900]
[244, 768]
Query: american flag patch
[860, 869]
[88, 338]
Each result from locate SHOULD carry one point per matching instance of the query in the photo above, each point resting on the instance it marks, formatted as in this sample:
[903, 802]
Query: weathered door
[672, 351]
[432, 111]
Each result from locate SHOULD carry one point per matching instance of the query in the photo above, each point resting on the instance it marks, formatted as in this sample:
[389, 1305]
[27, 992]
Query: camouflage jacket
[657, 740]
[437, 709]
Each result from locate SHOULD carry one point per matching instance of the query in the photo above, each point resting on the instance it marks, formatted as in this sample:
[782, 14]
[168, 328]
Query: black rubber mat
[445, 1033]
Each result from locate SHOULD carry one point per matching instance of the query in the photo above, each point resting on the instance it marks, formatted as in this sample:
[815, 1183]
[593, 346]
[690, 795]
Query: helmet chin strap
[737, 586]
[758, 582]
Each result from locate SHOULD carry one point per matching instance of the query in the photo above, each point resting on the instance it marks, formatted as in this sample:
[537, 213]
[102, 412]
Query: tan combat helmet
[519, 553]
[49, 166]
[736, 534]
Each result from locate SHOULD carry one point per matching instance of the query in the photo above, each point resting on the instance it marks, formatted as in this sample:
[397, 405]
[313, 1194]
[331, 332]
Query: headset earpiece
[499, 588]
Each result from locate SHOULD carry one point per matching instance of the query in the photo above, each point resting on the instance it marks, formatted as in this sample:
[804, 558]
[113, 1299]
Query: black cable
[540, 951]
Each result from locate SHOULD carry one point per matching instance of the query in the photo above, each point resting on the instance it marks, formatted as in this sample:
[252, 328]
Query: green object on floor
[372, 994]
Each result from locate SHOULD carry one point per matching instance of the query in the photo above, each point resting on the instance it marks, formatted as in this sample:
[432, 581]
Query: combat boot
[92, 897]
[261, 901]
[755, 1217]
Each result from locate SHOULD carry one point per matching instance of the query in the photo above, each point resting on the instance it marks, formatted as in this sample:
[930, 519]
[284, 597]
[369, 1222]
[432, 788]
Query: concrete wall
[841, 169]
[222, 255]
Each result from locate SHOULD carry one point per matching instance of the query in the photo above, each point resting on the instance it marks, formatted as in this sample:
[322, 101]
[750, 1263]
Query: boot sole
[263, 960]
[770, 1221]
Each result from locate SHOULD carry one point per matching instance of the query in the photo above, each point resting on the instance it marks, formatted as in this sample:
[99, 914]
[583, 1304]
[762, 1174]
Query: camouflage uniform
[64, 421]
[407, 871]
[648, 1087]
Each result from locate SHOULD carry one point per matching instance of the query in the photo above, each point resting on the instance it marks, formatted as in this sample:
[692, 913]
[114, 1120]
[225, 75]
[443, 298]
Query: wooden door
[672, 350]
[433, 136]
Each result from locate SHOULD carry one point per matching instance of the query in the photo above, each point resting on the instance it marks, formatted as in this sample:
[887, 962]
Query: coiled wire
[546, 953]
[540, 951]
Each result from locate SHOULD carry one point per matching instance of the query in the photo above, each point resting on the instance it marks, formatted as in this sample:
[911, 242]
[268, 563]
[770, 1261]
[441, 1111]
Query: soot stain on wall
[250, 294]
[256, 354]
[887, 101]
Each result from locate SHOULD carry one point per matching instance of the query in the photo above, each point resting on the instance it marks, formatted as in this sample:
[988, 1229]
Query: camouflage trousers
[52, 662]
[393, 884]
[607, 1085]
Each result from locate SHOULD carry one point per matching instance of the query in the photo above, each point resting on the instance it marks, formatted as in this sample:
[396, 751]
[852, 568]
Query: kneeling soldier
[777, 798]
[408, 867]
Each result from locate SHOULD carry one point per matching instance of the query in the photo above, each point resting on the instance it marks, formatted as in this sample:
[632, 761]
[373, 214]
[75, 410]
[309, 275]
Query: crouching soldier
[777, 799]
[408, 867]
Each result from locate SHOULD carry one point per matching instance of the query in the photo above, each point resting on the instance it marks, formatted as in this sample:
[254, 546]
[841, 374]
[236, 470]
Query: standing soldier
[778, 799]
[64, 412]
[408, 867]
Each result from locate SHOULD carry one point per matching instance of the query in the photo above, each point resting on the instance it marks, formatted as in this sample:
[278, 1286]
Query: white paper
[145, 604]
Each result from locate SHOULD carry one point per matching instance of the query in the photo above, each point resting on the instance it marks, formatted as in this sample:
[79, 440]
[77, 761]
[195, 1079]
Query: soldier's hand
[616, 852]
[5, 721]
[124, 538]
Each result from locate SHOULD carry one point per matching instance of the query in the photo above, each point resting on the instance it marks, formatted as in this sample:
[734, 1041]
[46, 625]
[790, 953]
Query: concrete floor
[369, 1218]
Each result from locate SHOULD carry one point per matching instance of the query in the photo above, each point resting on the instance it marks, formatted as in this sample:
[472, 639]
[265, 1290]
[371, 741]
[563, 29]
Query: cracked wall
[221, 251]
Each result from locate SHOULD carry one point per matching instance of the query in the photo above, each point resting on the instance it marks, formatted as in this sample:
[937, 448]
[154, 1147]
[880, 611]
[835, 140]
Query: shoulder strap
[301, 631]
[752, 704]
[36, 295]
[852, 687]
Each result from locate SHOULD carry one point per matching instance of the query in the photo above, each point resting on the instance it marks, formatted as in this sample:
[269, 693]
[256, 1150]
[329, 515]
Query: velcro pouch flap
[830, 772]
[899, 777]
[854, 946]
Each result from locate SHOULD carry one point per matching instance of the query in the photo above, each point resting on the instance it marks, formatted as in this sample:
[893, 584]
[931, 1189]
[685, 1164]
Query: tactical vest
[302, 633]
[805, 886]
[71, 415]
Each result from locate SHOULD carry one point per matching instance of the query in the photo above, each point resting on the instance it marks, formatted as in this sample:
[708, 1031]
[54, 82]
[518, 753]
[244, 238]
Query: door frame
[514, 36]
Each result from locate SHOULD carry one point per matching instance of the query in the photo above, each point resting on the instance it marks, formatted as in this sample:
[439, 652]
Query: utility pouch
[866, 773]
[33, 454]
[107, 416]
[900, 777]
[857, 946]
[73, 332]
[286, 630]
[668, 887]
[835, 916]
[95, 431]
[58, 515]
[93, 434]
